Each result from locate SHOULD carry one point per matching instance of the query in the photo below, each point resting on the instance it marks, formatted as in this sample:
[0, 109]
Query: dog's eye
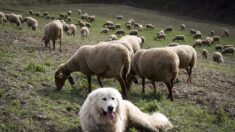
[104, 99]
[113, 98]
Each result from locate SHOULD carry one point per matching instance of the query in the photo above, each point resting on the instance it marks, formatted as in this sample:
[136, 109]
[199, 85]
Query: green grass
[28, 100]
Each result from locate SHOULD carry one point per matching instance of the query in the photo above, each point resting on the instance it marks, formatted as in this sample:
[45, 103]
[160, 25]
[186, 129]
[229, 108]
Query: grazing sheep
[53, 31]
[91, 18]
[84, 31]
[149, 26]
[206, 42]
[182, 27]
[210, 39]
[69, 13]
[30, 12]
[119, 17]
[160, 32]
[13, 18]
[212, 33]
[168, 29]
[37, 14]
[140, 27]
[228, 50]
[105, 31]
[45, 14]
[216, 39]
[111, 27]
[157, 64]
[218, 47]
[198, 35]
[72, 29]
[65, 26]
[31, 22]
[130, 21]
[226, 33]
[173, 44]
[197, 42]
[87, 24]
[2, 18]
[79, 11]
[179, 37]
[128, 26]
[97, 60]
[112, 37]
[187, 56]
[118, 26]
[120, 32]
[217, 57]
[108, 23]
[134, 41]
[226, 46]
[192, 31]
[81, 23]
[160, 36]
[205, 53]
[134, 32]
[84, 16]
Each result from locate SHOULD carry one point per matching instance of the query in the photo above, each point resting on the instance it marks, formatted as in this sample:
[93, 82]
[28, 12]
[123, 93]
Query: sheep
[134, 41]
[228, 50]
[87, 24]
[108, 23]
[31, 22]
[37, 14]
[160, 36]
[212, 33]
[30, 12]
[120, 32]
[206, 42]
[84, 16]
[111, 27]
[105, 31]
[13, 18]
[2, 18]
[81, 23]
[91, 18]
[226, 33]
[173, 44]
[63, 16]
[188, 58]
[53, 31]
[205, 53]
[130, 21]
[97, 60]
[210, 39]
[168, 29]
[69, 13]
[192, 31]
[216, 39]
[112, 37]
[84, 31]
[65, 27]
[218, 47]
[217, 57]
[118, 26]
[128, 26]
[197, 42]
[149, 26]
[139, 27]
[72, 29]
[119, 17]
[182, 27]
[160, 32]
[156, 64]
[79, 11]
[226, 46]
[45, 14]
[198, 35]
[179, 37]
[134, 32]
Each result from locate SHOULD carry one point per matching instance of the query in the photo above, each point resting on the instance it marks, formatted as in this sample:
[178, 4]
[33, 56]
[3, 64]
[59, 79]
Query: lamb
[168, 29]
[2, 18]
[134, 32]
[120, 32]
[205, 53]
[112, 37]
[179, 37]
[182, 27]
[216, 39]
[218, 47]
[53, 31]
[13, 18]
[187, 56]
[192, 31]
[105, 31]
[31, 22]
[228, 50]
[156, 64]
[97, 60]
[198, 35]
[173, 44]
[84, 32]
[217, 57]
[72, 29]
[119, 17]
[226, 33]
[160, 36]
[149, 26]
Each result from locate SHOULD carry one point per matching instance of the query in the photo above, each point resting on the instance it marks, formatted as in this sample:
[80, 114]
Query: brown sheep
[205, 53]
[179, 37]
[13, 18]
[228, 50]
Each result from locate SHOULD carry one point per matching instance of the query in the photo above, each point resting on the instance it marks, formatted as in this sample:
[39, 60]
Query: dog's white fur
[95, 116]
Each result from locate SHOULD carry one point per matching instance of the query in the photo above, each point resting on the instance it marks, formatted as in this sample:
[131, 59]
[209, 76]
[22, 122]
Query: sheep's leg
[53, 44]
[89, 83]
[60, 45]
[154, 86]
[99, 81]
[122, 83]
[170, 95]
[143, 85]
[189, 71]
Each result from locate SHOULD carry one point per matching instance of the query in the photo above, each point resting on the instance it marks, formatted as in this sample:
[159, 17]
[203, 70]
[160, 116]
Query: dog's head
[107, 103]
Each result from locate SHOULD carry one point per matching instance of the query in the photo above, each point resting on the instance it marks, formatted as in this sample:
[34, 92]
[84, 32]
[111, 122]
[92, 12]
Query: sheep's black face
[60, 79]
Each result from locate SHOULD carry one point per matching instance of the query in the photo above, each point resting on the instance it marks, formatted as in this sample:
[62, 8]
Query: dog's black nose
[110, 108]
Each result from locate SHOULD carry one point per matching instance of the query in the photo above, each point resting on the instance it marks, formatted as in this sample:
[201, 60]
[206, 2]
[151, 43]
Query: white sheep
[217, 57]
[53, 31]
[2, 18]
[134, 41]
[157, 64]
[149, 26]
[72, 29]
[13, 18]
[182, 27]
[179, 37]
[31, 22]
[105, 60]
[84, 31]
[112, 37]
[119, 17]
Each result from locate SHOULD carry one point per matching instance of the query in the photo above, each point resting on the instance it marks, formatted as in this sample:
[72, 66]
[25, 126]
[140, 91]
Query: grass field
[29, 102]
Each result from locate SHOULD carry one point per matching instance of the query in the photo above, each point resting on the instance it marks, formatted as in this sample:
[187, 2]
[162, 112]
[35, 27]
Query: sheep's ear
[60, 75]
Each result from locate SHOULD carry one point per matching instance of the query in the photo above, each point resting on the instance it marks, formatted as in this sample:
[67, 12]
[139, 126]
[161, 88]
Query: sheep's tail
[145, 121]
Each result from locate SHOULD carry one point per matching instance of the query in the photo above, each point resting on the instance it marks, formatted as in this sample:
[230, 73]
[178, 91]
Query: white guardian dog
[104, 110]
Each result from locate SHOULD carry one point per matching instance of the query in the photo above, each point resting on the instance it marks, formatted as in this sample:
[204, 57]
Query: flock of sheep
[123, 58]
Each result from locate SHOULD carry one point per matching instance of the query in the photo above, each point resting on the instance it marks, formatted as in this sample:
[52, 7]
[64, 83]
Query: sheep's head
[61, 75]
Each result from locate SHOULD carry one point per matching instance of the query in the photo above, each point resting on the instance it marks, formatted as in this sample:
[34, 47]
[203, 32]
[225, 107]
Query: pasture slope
[29, 102]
